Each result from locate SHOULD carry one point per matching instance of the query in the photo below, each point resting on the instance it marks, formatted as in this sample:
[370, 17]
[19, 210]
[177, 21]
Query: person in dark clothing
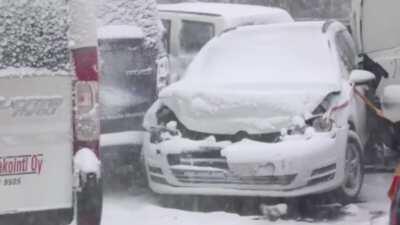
[375, 68]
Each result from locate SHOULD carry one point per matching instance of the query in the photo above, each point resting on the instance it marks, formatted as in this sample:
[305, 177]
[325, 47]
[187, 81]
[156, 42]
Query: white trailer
[50, 162]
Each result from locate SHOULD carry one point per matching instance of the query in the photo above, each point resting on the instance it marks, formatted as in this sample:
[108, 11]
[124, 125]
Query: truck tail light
[87, 113]
[86, 100]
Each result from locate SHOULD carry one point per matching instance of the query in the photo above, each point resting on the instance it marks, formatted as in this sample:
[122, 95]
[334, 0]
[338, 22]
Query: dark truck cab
[128, 88]
[129, 78]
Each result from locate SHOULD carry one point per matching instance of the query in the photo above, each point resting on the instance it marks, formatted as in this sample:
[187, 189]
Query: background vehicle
[135, 67]
[188, 26]
[378, 37]
[50, 152]
[128, 90]
[245, 118]
[129, 78]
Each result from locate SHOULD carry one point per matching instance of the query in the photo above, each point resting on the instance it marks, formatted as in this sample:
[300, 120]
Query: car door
[348, 58]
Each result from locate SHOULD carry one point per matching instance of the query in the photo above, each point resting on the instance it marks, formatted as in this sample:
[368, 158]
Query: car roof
[324, 28]
[230, 12]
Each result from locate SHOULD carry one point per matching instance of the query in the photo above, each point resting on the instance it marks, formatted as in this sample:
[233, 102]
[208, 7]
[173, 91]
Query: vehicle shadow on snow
[310, 208]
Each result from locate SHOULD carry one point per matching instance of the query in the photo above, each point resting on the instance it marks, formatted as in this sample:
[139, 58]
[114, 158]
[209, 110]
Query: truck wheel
[353, 172]
[90, 202]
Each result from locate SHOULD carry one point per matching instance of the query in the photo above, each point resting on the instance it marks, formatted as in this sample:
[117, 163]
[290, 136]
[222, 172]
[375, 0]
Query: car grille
[207, 158]
[195, 135]
[209, 167]
[219, 177]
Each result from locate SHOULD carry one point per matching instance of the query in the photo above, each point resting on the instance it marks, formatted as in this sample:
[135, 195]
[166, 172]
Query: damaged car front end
[305, 158]
[236, 131]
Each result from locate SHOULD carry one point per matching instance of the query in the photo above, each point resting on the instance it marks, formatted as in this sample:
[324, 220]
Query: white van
[376, 32]
[50, 161]
[188, 26]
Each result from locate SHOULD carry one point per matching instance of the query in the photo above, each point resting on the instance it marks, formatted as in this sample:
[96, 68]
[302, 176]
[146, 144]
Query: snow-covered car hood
[253, 108]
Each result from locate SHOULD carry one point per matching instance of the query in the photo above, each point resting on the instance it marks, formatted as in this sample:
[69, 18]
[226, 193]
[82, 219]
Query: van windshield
[194, 35]
[33, 34]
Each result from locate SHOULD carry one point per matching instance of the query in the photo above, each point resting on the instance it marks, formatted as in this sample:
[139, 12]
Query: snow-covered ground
[136, 209]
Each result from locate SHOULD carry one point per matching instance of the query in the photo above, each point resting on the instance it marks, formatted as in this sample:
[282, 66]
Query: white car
[276, 117]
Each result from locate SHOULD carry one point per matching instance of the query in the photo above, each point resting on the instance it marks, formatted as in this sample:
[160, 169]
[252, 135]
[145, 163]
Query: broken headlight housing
[322, 124]
[159, 134]
[166, 126]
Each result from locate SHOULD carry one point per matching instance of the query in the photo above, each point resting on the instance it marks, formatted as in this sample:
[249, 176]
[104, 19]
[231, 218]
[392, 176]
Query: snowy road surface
[131, 209]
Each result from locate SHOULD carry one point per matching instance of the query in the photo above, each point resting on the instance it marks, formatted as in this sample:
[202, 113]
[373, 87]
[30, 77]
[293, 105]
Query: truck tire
[90, 202]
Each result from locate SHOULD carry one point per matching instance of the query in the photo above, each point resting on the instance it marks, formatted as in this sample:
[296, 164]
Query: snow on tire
[354, 172]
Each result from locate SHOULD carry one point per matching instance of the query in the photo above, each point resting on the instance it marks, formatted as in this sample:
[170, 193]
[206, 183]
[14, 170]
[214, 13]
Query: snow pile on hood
[229, 109]
[142, 13]
[181, 145]
[280, 72]
[120, 32]
[33, 34]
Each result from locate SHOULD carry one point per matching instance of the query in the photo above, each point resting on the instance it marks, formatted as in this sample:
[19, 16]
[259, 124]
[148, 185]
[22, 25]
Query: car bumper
[290, 168]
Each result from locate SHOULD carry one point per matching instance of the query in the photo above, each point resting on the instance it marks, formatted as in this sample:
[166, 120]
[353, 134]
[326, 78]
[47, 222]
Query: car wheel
[89, 202]
[353, 172]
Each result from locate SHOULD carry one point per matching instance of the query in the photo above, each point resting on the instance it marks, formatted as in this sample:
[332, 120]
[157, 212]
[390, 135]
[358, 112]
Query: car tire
[354, 171]
[90, 202]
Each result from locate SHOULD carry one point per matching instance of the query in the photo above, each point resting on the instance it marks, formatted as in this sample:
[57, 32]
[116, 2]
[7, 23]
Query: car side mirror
[391, 102]
[359, 77]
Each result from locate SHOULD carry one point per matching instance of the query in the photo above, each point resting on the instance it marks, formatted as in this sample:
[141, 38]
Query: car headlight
[321, 124]
[160, 134]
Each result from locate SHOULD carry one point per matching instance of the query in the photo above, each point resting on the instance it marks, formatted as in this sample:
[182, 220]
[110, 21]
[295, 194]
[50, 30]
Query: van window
[194, 35]
[346, 50]
[166, 34]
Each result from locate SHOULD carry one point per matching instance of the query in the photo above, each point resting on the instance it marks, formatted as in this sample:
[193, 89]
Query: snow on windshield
[267, 54]
[33, 35]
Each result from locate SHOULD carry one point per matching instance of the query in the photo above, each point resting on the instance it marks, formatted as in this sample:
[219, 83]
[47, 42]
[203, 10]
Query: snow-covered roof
[120, 32]
[233, 14]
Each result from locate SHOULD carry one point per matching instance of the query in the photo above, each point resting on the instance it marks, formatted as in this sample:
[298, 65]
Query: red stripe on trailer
[85, 61]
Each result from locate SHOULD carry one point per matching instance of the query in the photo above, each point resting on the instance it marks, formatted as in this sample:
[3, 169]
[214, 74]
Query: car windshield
[267, 54]
[33, 34]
